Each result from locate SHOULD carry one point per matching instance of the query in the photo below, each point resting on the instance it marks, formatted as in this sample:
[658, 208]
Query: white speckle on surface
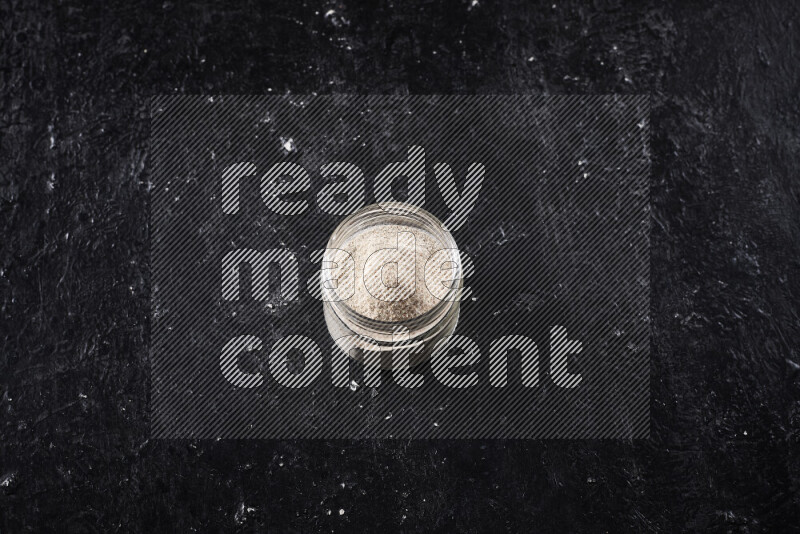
[336, 19]
[353, 385]
[288, 144]
[241, 513]
[341, 511]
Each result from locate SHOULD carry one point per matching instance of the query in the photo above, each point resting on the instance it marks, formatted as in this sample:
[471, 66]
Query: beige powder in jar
[387, 288]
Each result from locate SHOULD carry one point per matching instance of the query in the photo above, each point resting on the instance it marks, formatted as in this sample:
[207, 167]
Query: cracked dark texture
[74, 86]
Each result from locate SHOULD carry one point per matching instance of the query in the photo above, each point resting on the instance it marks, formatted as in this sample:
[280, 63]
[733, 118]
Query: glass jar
[360, 321]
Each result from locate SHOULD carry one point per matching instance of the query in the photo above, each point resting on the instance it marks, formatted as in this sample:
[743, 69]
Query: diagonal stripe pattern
[548, 197]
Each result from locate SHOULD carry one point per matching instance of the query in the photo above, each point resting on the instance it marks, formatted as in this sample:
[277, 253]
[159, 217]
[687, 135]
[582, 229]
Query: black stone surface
[74, 85]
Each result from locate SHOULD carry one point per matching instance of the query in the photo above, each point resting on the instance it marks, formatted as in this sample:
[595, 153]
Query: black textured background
[74, 85]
